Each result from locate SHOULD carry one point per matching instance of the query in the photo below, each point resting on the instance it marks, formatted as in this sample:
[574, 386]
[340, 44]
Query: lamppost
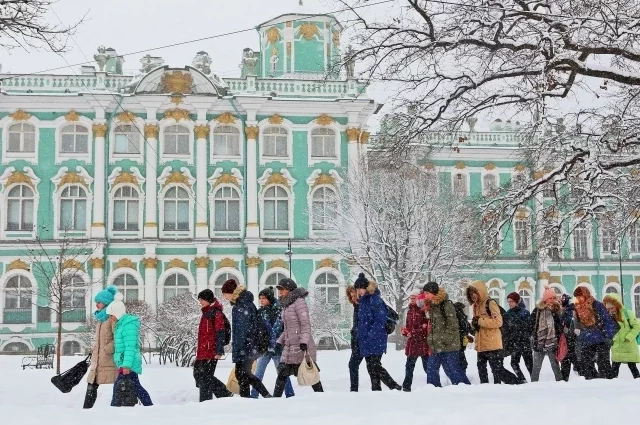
[620, 264]
[289, 253]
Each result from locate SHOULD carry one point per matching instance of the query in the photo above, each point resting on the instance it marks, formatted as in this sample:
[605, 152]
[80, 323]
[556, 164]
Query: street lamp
[619, 252]
[289, 253]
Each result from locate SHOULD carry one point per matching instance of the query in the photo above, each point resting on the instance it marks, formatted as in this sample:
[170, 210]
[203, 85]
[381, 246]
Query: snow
[28, 398]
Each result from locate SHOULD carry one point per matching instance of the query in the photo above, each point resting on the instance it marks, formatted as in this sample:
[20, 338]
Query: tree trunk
[59, 343]
[400, 340]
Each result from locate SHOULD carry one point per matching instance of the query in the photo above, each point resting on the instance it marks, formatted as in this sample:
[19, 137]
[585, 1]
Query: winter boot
[91, 396]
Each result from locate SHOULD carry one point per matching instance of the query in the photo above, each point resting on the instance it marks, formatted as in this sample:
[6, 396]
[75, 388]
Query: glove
[404, 331]
[470, 339]
[474, 323]
[303, 347]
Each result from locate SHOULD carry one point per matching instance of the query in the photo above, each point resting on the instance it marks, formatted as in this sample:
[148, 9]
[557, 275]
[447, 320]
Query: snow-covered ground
[28, 397]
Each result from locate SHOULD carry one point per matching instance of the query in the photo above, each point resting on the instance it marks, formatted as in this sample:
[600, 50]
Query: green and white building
[178, 178]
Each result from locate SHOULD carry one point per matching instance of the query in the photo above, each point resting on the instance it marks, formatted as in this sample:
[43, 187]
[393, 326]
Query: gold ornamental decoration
[278, 263]
[72, 178]
[555, 279]
[525, 285]
[353, 134]
[327, 262]
[18, 177]
[461, 165]
[18, 265]
[324, 179]
[613, 279]
[96, 263]
[176, 99]
[275, 119]
[308, 30]
[150, 224]
[325, 119]
[253, 261]
[364, 137]
[20, 115]
[544, 275]
[177, 82]
[227, 263]
[72, 264]
[176, 177]
[522, 214]
[177, 114]
[151, 131]
[126, 177]
[202, 262]
[494, 284]
[429, 166]
[127, 116]
[227, 178]
[226, 118]
[336, 39]
[72, 116]
[520, 168]
[272, 35]
[202, 131]
[150, 263]
[251, 132]
[490, 166]
[177, 263]
[100, 130]
[125, 263]
[583, 279]
[277, 178]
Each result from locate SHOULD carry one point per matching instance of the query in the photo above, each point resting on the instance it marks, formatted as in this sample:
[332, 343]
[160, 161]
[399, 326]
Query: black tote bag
[72, 377]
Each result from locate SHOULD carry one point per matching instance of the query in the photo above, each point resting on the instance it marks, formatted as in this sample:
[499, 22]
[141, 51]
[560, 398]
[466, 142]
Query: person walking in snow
[103, 369]
[517, 335]
[568, 310]
[415, 330]
[271, 313]
[244, 335]
[127, 355]
[210, 348]
[547, 329]
[595, 330]
[356, 359]
[486, 322]
[296, 341]
[444, 337]
[372, 332]
[625, 346]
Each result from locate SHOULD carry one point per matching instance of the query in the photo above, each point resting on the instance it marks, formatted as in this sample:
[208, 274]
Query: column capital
[97, 263]
[151, 131]
[253, 261]
[150, 263]
[252, 132]
[100, 130]
[202, 262]
[202, 131]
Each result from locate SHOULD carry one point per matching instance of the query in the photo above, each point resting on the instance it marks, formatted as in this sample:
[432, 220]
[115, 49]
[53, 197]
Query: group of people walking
[587, 335]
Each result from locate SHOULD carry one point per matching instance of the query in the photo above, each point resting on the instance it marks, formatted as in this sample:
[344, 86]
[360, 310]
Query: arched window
[327, 290]
[16, 347]
[526, 297]
[125, 209]
[609, 239]
[460, 185]
[226, 141]
[220, 280]
[496, 294]
[75, 139]
[522, 235]
[490, 183]
[176, 140]
[611, 289]
[323, 143]
[276, 209]
[226, 209]
[17, 300]
[634, 238]
[73, 299]
[273, 279]
[73, 208]
[22, 138]
[581, 242]
[323, 208]
[71, 348]
[557, 289]
[175, 285]
[176, 209]
[636, 301]
[274, 141]
[129, 286]
[20, 202]
[127, 139]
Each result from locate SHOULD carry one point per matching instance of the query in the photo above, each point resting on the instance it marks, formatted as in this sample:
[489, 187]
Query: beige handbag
[308, 373]
[232, 383]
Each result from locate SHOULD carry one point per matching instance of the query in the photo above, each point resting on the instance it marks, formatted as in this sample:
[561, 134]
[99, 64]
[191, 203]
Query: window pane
[66, 214]
[132, 215]
[269, 215]
[234, 215]
[183, 215]
[283, 215]
[81, 215]
[14, 142]
[67, 143]
[119, 212]
[82, 143]
[13, 215]
[170, 217]
[220, 215]
[121, 143]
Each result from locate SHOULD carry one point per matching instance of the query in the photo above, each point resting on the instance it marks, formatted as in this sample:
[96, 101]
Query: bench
[42, 360]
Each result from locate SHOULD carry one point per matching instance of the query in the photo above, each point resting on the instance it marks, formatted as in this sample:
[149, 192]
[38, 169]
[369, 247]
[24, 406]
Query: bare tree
[148, 323]
[23, 23]
[395, 225]
[537, 61]
[328, 321]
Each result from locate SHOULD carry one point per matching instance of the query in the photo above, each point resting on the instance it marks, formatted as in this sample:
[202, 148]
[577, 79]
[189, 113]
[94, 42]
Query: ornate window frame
[163, 125]
[268, 272]
[70, 326]
[6, 184]
[237, 274]
[127, 118]
[218, 180]
[237, 124]
[62, 122]
[116, 182]
[4, 279]
[187, 184]
[282, 123]
[168, 272]
[115, 273]
[338, 130]
[82, 180]
[285, 181]
[315, 181]
[7, 122]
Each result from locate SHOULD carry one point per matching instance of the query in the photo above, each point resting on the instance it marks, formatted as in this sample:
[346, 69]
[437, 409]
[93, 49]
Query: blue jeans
[354, 366]
[142, 394]
[450, 362]
[261, 367]
[409, 367]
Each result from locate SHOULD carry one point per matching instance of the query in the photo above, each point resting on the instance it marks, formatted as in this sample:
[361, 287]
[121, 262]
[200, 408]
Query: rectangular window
[119, 211]
[14, 142]
[580, 243]
[176, 144]
[127, 143]
[183, 215]
[522, 236]
[68, 143]
[283, 215]
[269, 215]
[634, 238]
[220, 208]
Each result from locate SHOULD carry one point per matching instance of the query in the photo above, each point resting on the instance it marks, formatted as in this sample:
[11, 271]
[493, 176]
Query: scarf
[101, 315]
[585, 313]
[546, 336]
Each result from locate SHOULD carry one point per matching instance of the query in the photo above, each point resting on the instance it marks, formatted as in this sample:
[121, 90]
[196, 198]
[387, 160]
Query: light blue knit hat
[106, 295]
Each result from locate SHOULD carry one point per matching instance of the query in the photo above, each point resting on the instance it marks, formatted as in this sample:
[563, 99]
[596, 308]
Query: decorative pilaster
[252, 187]
[252, 274]
[97, 279]
[151, 222]
[97, 225]
[202, 266]
[202, 226]
[150, 281]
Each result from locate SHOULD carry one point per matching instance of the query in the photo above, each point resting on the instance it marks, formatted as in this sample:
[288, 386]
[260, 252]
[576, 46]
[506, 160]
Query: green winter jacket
[127, 344]
[625, 348]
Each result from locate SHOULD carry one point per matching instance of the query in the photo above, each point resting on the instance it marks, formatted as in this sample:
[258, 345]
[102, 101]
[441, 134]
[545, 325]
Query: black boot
[91, 396]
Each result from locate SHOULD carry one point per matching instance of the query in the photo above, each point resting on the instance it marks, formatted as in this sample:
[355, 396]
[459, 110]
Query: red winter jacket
[211, 332]
[416, 325]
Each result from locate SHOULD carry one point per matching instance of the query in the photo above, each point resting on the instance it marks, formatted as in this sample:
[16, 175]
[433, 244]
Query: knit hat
[207, 295]
[106, 295]
[286, 283]
[431, 287]
[268, 294]
[515, 297]
[117, 307]
[549, 294]
[361, 282]
[566, 299]
[416, 292]
[229, 286]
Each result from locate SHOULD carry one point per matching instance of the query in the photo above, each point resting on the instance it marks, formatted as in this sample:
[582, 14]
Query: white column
[202, 224]
[252, 275]
[97, 225]
[97, 281]
[252, 182]
[150, 281]
[151, 204]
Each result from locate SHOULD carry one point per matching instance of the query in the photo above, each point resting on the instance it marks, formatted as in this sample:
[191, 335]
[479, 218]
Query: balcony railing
[75, 316]
[13, 316]
[59, 83]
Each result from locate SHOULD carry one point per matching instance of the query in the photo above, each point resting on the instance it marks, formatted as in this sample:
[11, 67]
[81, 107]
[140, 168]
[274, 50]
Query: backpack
[463, 323]
[392, 319]
[502, 311]
[263, 336]
[227, 329]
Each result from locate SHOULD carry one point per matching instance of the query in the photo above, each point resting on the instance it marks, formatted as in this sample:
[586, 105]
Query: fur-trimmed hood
[481, 289]
[373, 286]
[240, 292]
[614, 299]
[440, 297]
[292, 296]
[555, 306]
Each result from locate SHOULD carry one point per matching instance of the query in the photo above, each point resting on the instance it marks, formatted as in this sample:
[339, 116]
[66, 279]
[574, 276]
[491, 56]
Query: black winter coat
[354, 331]
[517, 332]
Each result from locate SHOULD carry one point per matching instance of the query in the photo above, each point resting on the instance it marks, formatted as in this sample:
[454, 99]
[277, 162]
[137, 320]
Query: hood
[479, 286]
[613, 299]
[372, 288]
[241, 295]
[293, 296]
[440, 297]
[555, 306]
[215, 306]
[521, 304]
[129, 319]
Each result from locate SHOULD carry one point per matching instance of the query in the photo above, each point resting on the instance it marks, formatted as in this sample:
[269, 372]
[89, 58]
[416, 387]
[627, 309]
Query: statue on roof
[149, 63]
[202, 62]
[350, 62]
[249, 60]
